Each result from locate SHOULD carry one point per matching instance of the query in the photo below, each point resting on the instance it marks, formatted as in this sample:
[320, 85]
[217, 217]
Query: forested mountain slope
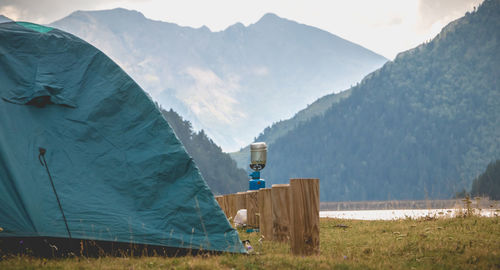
[488, 183]
[218, 169]
[278, 129]
[422, 126]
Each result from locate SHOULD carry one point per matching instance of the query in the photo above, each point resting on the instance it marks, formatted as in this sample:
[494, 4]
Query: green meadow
[428, 243]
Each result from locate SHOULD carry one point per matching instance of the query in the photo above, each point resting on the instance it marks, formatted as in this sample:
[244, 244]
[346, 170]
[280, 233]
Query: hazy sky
[384, 26]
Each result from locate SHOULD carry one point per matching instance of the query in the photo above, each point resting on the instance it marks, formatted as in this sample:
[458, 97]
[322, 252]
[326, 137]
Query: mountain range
[422, 126]
[4, 19]
[231, 83]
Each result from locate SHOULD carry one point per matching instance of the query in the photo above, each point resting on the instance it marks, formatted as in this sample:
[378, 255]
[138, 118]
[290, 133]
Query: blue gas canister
[256, 184]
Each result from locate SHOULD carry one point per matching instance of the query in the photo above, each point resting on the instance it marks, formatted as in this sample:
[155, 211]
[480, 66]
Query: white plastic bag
[241, 218]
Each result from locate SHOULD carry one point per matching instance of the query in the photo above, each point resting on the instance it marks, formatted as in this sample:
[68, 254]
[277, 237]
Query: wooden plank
[241, 201]
[252, 208]
[265, 214]
[224, 205]
[231, 206]
[304, 213]
[220, 201]
[280, 196]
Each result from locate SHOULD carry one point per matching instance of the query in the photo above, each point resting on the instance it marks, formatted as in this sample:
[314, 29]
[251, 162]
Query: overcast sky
[384, 26]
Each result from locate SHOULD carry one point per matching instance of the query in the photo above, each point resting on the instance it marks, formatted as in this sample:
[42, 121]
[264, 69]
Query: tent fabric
[118, 169]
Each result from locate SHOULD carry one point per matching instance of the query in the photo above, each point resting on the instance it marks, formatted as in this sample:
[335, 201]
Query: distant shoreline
[395, 214]
[480, 203]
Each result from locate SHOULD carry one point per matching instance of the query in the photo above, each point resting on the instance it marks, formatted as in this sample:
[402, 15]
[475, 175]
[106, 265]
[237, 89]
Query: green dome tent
[86, 155]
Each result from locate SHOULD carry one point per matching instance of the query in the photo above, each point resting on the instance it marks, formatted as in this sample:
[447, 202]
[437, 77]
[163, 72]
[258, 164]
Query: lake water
[401, 214]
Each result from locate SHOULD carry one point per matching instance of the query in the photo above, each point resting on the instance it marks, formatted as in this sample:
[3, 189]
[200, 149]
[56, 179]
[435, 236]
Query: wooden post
[253, 208]
[231, 205]
[220, 201]
[241, 201]
[281, 212]
[304, 197]
[224, 205]
[266, 213]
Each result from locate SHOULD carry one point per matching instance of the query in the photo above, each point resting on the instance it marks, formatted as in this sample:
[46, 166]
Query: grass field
[429, 243]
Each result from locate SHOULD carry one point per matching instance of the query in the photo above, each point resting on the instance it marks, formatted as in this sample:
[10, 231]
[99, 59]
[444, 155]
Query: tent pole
[41, 157]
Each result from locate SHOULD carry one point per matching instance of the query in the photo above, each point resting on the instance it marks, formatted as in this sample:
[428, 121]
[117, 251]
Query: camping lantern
[258, 157]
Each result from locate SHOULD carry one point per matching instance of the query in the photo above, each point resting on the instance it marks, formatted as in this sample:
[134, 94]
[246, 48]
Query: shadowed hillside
[218, 169]
[422, 126]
